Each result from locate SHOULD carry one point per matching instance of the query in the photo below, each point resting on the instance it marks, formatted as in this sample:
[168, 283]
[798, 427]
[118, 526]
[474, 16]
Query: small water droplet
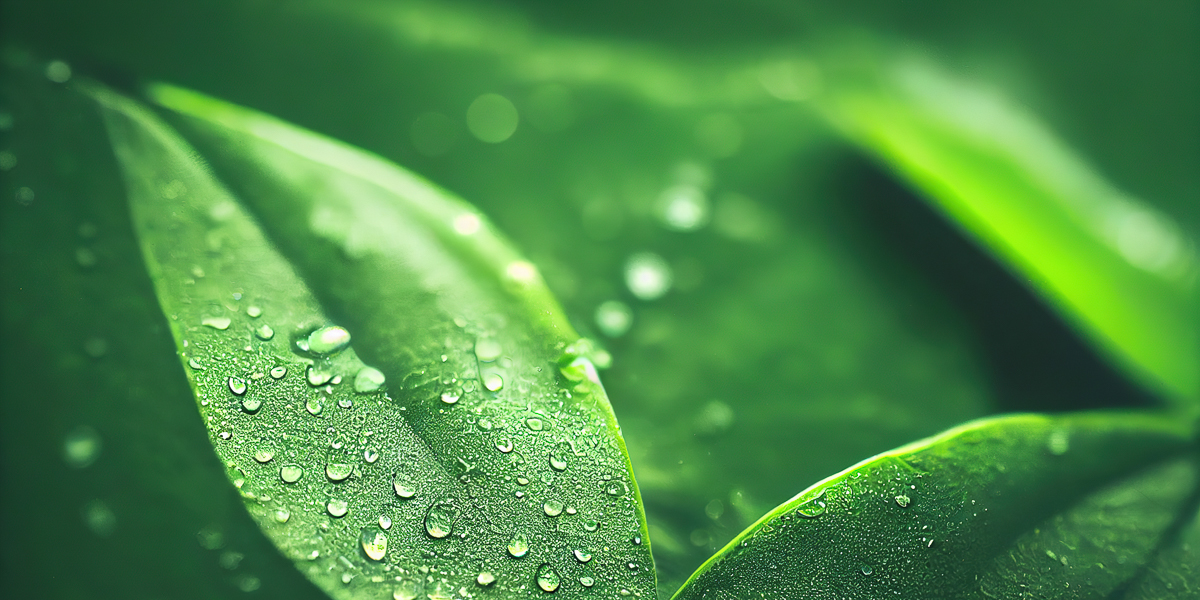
[237, 386]
[903, 500]
[337, 508]
[591, 525]
[504, 445]
[637, 541]
[370, 455]
[264, 332]
[368, 379]
[493, 381]
[439, 521]
[404, 489]
[263, 455]
[406, 589]
[291, 473]
[452, 395]
[552, 507]
[374, 542]
[813, 507]
[319, 375]
[282, 515]
[485, 579]
[582, 555]
[558, 463]
[338, 471]
[518, 546]
[313, 406]
[328, 340]
[867, 570]
[253, 312]
[221, 323]
[195, 364]
[278, 372]
[345, 402]
[81, 447]
[586, 581]
[488, 350]
[251, 404]
[616, 488]
[534, 424]
[547, 578]
[385, 522]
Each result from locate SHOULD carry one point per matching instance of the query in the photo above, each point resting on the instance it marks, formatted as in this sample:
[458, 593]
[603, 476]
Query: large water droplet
[262, 455]
[319, 375]
[407, 589]
[221, 323]
[195, 364]
[558, 462]
[374, 542]
[534, 424]
[616, 488]
[251, 404]
[328, 340]
[813, 507]
[552, 507]
[452, 395]
[338, 471]
[485, 579]
[582, 555]
[591, 525]
[337, 508]
[278, 372]
[404, 489]
[81, 447]
[586, 581]
[647, 275]
[547, 578]
[368, 379]
[264, 332]
[867, 570]
[439, 521]
[291, 473]
[493, 381]
[518, 546]
[237, 386]
[370, 455]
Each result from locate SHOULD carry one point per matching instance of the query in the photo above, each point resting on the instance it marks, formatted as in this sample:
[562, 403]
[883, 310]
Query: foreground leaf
[1123, 273]
[1068, 507]
[463, 461]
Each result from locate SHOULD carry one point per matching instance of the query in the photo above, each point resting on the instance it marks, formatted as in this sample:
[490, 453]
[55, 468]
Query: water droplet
[616, 488]
[338, 471]
[582, 555]
[552, 507]
[368, 379]
[406, 589]
[328, 340]
[345, 402]
[81, 447]
[586, 581]
[452, 395]
[558, 463]
[591, 525]
[867, 570]
[251, 404]
[263, 456]
[439, 521]
[237, 386]
[374, 542]
[291, 473]
[518, 546]
[264, 332]
[813, 507]
[221, 323]
[547, 578]
[504, 445]
[534, 424]
[403, 489]
[647, 275]
[337, 508]
[313, 406]
[485, 579]
[319, 375]
[902, 500]
[637, 541]
[195, 364]
[282, 515]
[278, 372]
[253, 312]
[370, 455]
[493, 381]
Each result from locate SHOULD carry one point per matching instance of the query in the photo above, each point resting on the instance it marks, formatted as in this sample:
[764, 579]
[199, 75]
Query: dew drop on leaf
[370, 455]
[313, 406]
[406, 589]
[439, 521]
[264, 332]
[518, 546]
[587, 581]
[616, 488]
[251, 404]
[263, 456]
[534, 424]
[558, 463]
[253, 312]
[504, 445]
[278, 372]
[552, 507]
[338, 471]
[328, 340]
[368, 379]
[319, 375]
[385, 522]
[337, 508]
[813, 507]
[547, 578]
[404, 489]
[291, 473]
[221, 323]
[282, 515]
[374, 542]
[903, 500]
[493, 382]
[237, 386]
[485, 579]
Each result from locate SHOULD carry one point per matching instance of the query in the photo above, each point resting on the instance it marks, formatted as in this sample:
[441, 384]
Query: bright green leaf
[1117, 269]
[453, 439]
[1070, 506]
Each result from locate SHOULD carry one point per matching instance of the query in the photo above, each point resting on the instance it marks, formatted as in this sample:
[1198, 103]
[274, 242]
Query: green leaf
[453, 439]
[1070, 507]
[1120, 271]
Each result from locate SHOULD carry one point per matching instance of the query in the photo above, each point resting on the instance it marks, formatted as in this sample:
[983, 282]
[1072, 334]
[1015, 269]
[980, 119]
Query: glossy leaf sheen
[993, 508]
[466, 335]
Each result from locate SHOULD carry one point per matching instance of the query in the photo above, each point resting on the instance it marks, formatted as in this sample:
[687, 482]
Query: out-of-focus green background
[819, 311]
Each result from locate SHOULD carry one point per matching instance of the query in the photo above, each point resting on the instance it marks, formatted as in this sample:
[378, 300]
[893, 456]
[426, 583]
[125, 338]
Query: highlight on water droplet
[591, 525]
[558, 463]
[518, 545]
[282, 515]
[263, 456]
[493, 381]
[552, 507]
[328, 340]
[485, 579]
[253, 312]
[582, 555]
[291, 473]
[251, 404]
[338, 471]
[647, 276]
[586, 581]
[195, 364]
[337, 508]
[616, 488]
[534, 424]
[81, 447]
[368, 379]
[313, 406]
[452, 395]
[439, 521]
[407, 589]
[374, 542]
[505, 445]
[370, 455]
[547, 578]
[237, 386]
[278, 372]
[221, 323]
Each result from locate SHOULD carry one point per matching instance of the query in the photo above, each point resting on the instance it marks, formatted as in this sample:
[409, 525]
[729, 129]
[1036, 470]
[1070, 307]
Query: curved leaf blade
[1117, 269]
[477, 468]
[979, 511]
